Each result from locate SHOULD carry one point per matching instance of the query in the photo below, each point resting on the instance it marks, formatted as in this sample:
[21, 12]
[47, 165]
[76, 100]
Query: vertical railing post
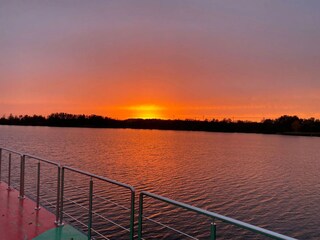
[38, 188]
[61, 198]
[132, 215]
[9, 174]
[58, 197]
[22, 171]
[140, 216]
[90, 208]
[213, 231]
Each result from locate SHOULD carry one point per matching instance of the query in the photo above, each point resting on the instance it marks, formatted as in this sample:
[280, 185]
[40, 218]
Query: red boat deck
[19, 219]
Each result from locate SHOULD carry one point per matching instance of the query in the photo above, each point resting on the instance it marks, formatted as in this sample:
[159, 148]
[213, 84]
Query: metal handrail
[42, 159]
[91, 195]
[212, 215]
[21, 190]
[12, 151]
[104, 199]
[57, 165]
[100, 178]
[23, 158]
[60, 199]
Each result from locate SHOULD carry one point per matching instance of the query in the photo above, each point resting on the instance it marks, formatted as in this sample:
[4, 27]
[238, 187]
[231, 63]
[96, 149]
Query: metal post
[58, 197]
[20, 175]
[140, 216]
[9, 174]
[22, 170]
[38, 188]
[61, 200]
[90, 208]
[0, 162]
[132, 216]
[213, 231]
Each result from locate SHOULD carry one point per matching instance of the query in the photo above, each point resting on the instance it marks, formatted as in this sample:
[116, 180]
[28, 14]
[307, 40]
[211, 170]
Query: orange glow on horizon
[146, 111]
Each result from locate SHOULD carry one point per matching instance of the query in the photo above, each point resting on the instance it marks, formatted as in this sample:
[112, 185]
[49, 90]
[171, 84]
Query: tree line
[283, 125]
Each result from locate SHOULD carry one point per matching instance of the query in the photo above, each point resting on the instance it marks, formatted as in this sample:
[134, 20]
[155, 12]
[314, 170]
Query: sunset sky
[242, 59]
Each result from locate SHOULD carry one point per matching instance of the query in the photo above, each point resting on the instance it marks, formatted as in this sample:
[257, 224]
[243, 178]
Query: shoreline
[301, 134]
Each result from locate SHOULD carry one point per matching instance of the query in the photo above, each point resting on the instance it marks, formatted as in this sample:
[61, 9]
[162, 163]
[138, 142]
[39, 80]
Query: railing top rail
[220, 217]
[42, 160]
[101, 178]
[11, 151]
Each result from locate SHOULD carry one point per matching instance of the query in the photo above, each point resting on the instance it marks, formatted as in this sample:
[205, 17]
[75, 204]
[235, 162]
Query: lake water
[267, 180]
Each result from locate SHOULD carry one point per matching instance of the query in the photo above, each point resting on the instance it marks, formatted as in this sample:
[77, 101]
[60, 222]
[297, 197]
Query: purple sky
[173, 59]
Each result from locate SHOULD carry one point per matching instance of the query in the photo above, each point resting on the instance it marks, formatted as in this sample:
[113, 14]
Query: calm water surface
[266, 180]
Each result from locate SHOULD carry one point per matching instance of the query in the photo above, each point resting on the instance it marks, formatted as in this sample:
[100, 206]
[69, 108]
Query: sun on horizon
[147, 111]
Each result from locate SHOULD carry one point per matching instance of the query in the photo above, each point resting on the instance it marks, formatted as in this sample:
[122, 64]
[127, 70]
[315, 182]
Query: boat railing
[27, 159]
[214, 216]
[60, 197]
[90, 211]
[9, 174]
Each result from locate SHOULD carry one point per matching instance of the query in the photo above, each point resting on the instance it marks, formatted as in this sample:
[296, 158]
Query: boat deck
[20, 221]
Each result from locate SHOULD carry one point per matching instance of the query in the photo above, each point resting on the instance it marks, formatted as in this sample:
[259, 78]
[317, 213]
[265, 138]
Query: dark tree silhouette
[291, 125]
